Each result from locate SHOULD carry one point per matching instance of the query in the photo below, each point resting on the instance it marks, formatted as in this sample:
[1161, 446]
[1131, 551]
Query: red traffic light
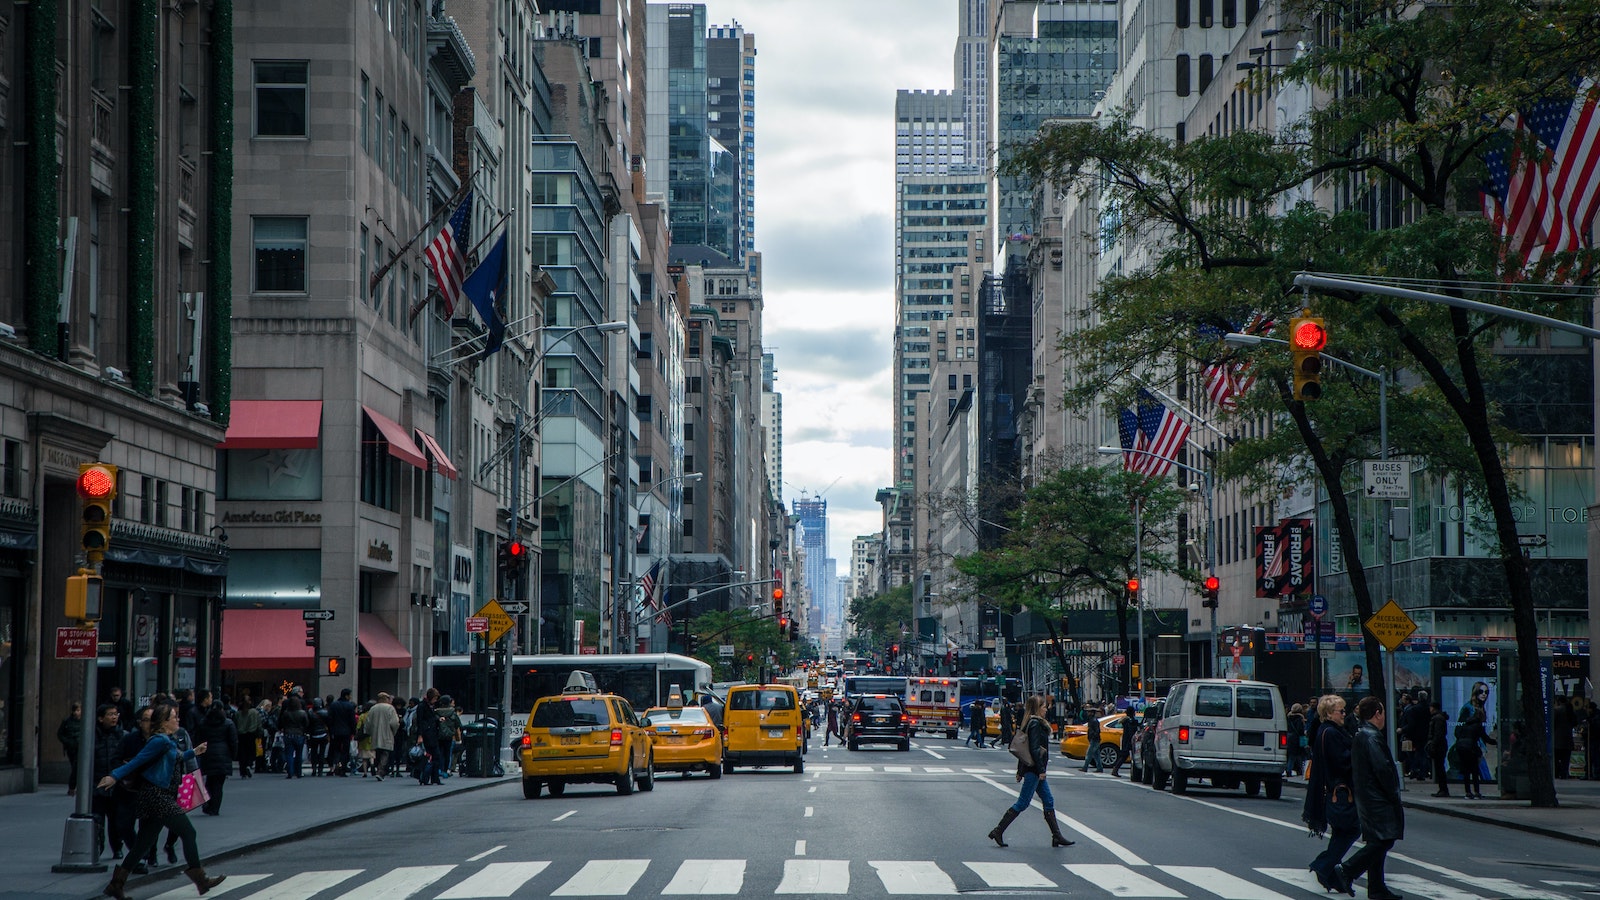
[777, 593]
[515, 549]
[1213, 583]
[1133, 585]
[1308, 335]
[96, 482]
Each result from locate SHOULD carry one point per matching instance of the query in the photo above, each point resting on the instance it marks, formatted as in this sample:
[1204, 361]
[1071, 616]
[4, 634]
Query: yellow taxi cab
[762, 726]
[583, 736]
[1075, 738]
[684, 738]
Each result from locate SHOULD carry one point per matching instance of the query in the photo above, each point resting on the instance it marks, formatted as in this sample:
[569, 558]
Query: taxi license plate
[774, 732]
[573, 739]
[674, 738]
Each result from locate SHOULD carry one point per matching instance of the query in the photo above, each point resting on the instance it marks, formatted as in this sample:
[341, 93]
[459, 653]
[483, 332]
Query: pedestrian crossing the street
[839, 877]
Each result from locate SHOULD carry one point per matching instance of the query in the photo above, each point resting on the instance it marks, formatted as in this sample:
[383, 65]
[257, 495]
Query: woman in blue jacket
[152, 775]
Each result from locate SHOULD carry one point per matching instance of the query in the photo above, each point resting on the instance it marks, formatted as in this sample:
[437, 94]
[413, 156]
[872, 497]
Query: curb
[312, 829]
[1482, 819]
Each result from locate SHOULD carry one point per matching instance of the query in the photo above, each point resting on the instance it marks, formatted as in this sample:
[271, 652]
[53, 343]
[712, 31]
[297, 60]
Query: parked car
[1227, 730]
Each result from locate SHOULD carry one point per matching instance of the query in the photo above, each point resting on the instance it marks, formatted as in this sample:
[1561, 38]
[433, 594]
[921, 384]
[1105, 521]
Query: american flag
[1228, 379]
[1164, 430]
[647, 586]
[1544, 178]
[1132, 441]
[446, 257]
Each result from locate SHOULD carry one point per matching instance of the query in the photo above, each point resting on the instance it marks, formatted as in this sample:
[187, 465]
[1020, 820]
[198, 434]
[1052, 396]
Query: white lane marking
[1557, 883]
[822, 768]
[1009, 875]
[1223, 884]
[604, 878]
[799, 848]
[897, 769]
[1114, 848]
[815, 876]
[938, 770]
[932, 754]
[305, 884]
[812, 789]
[234, 881]
[397, 884]
[570, 812]
[1414, 886]
[1298, 877]
[1120, 881]
[707, 876]
[495, 880]
[1500, 887]
[923, 878]
[978, 771]
[808, 812]
[486, 853]
[858, 768]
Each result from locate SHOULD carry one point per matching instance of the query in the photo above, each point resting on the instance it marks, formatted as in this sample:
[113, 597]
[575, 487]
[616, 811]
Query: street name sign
[477, 624]
[499, 622]
[1386, 479]
[77, 643]
[725, 651]
[1391, 626]
[515, 607]
[316, 615]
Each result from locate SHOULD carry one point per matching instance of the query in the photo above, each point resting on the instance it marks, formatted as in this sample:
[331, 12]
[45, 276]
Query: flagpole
[421, 304]
[449, 206]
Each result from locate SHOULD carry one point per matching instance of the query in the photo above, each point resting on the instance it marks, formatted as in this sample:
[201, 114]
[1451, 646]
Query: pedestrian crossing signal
[335, 665]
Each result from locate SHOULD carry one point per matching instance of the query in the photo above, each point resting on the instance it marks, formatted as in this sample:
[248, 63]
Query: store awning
[446, 467]
[380, 643]
[265, 639]
[401, 446]
[273, 425]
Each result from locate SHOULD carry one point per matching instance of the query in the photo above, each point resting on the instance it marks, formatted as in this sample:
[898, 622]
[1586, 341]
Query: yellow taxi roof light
[581, 682]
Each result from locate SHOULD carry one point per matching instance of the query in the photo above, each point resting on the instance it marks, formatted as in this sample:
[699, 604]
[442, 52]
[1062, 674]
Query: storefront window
[188, 633]
[10, 682]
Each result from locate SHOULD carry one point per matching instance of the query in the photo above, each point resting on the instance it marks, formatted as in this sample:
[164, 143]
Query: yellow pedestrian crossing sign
[1391, 626]
[499, 621]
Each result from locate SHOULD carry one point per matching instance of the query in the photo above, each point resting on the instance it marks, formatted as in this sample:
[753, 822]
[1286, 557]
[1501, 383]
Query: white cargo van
[1226, 730]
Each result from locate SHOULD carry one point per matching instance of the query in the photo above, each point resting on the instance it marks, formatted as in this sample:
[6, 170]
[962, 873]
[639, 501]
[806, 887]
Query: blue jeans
[1031, 783]
[294, 750]
[1093, 756]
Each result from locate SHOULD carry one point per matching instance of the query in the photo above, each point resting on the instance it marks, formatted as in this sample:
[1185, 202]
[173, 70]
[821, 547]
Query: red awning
[446, 467]
[265, 639]
[401, 446]
[273, 425]
[380, 643]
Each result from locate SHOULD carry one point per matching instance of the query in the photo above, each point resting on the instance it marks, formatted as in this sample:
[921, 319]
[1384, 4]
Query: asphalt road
[875, 823]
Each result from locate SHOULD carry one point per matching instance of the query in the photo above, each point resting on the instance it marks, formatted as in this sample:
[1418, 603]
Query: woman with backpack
[1031, 773]
[154, 773]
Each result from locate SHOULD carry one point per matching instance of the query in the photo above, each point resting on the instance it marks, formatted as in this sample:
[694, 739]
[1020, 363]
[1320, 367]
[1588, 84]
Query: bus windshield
[875, 684]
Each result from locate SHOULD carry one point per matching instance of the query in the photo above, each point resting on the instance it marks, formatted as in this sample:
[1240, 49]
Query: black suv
[877, 719]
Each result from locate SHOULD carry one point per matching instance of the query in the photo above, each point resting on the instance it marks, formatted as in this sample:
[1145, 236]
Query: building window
[377, 126]
[1230, 13]
[366, 236]
[1207, 64]
[1183, 75]
[280, 247]
[688, 431]
[377, 468]
[692, 384]
[282, 99]
[366, 127]
[1207, 13]
[1183, 13]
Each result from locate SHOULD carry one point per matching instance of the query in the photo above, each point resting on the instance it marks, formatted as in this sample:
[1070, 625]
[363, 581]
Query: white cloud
[826, 76]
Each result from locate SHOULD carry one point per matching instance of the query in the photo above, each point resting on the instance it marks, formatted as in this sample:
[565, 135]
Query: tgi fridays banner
[1285, 564]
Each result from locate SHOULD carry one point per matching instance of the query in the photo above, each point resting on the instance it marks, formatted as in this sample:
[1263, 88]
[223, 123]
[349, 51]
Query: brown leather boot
[999, 831]
[201, 882]
[1056, 840]
[119, 879]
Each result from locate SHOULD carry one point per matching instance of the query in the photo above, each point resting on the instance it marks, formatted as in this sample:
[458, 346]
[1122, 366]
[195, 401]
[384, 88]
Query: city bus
[974, 688]
[855, 685]
[643, 679]
[850, 665]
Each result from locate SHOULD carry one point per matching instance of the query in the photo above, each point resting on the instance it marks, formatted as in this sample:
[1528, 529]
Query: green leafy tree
[880, 619]
[1411, 95]
[750, 634]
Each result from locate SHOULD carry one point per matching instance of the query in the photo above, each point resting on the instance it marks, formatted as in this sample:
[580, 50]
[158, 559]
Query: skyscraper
[731, 114]
[813, 513]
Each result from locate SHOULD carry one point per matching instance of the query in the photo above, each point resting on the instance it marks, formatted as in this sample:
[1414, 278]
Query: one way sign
[1386, 479]
[515, 607]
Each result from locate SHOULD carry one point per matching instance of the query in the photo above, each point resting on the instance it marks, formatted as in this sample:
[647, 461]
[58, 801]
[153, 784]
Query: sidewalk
[256, 812]
[1576, 819]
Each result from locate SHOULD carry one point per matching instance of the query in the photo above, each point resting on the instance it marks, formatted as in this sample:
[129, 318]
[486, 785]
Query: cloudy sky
[826, 76]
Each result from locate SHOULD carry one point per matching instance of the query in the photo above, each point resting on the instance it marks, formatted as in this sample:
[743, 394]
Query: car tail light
[1283, 740]
[1183, 734]
[855, 717]
[704, 732]
[904, 718]
[616, 737]
[527, 742]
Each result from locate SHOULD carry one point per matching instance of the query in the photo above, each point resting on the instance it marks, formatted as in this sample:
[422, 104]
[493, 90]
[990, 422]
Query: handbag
[1406, 746]
[192, 792]
[1342, 808]
[1019, 747]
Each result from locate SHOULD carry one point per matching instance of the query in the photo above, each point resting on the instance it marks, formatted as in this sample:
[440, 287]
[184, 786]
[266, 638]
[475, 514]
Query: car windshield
[879, 704]
[751, 700]
[688, 715]
[567, 713]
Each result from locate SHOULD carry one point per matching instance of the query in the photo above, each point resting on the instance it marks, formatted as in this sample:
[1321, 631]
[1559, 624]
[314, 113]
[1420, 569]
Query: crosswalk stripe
[707, 876]
[1010, 875]
[603, 878]
[1120, 881]
[938, 770]
[305, 884]
[913, 877]
[234, 881]
[1223, 884]
[1412, 885]
[495, 880]
[397, 884]
[978, 771]
[1300, 877]
[897, 769]
[858, 768]
[815, 876]
[1510, 890]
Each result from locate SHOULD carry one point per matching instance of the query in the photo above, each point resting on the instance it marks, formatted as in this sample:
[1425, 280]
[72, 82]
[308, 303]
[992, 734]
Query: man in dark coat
[108, 735]
[221, 738]
[341, 728]
[1377, 790]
